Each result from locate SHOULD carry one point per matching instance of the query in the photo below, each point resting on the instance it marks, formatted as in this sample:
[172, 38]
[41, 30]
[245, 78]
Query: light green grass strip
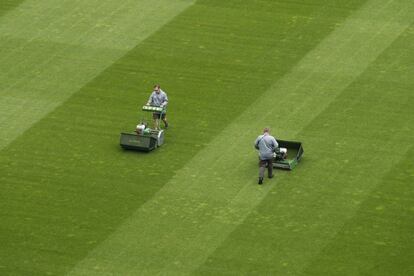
[95, 23]
[193, 214]
[50, 49]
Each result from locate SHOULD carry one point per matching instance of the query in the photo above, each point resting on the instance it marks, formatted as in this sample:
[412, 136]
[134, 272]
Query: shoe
[271, 176]
[260, 180]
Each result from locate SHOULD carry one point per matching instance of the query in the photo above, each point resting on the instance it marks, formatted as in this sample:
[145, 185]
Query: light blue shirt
[158, 99]
[266, 144]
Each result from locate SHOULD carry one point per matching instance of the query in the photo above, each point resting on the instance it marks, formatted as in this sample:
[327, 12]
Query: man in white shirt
[159, 98]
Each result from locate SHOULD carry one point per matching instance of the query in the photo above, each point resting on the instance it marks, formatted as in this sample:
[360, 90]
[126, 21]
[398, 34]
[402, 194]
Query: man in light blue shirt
[267, 145]
[159, 98]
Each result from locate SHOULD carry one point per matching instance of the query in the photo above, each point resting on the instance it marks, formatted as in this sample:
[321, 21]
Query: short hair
[266, 129]
[157, 86]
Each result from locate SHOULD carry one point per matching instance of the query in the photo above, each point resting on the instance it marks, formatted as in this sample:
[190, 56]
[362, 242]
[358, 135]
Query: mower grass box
[294, 154]
[133, 141]
[144, 138]
[142, 142]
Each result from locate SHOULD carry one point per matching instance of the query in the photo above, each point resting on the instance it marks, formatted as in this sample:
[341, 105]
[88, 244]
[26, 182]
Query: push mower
[143, 138]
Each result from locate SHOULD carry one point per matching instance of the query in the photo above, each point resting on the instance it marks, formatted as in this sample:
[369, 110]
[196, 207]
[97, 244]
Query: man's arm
[256, 143]
[150, 99]
[165, 102]
[275, 144]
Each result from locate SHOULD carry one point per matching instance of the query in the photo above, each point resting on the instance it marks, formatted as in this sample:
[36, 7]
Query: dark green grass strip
[349, 148]
[7, 5]
[379, 239]
[66, 184]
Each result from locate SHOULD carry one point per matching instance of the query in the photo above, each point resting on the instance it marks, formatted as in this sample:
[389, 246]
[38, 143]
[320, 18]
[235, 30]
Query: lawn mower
[288, 155]
[144, 138]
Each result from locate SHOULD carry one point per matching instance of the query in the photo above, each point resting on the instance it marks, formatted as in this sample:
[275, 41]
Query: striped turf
[193, 206]
[378, 239]
[185, 222]
[50, 49]
[7, 5]
[355, 149]
[76, 186]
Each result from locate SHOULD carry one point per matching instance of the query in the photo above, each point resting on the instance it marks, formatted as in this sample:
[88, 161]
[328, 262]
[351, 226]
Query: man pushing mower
[267, 146]
[159, 98]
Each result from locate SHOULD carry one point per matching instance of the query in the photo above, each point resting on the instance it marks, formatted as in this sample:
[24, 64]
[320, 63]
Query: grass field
[336, 75]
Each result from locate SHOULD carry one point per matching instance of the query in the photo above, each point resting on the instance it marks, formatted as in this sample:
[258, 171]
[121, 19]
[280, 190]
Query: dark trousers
[262, 167]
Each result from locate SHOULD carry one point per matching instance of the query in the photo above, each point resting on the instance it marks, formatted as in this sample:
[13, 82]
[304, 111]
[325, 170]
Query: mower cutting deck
[144, 139]
[294, 155]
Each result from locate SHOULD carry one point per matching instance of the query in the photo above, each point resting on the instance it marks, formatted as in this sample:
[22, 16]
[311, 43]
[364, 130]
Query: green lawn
[335, 75]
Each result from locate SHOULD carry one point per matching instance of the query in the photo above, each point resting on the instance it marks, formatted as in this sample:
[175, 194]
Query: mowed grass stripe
[91, 23]
[76, 185]
[366, 35]
[186, 221]
[7, 5]
[360, 138]
[380, 122]
[378, 240]
[49, 50]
